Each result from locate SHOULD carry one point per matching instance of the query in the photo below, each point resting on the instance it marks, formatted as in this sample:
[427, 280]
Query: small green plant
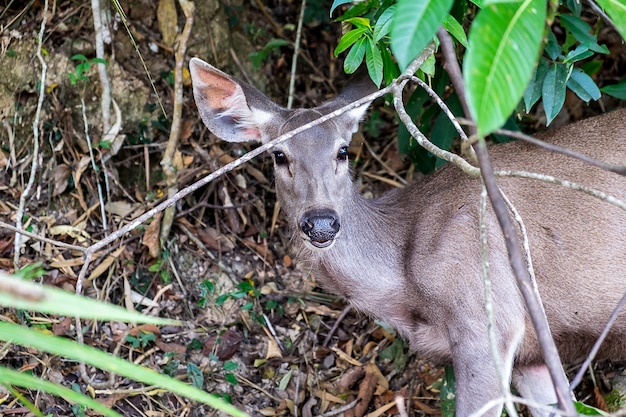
[141, 340]
[82, 67]
[78, 409]
[259, 56]
[615, 400]
[244, 288]
[229, 376]
[160, 266]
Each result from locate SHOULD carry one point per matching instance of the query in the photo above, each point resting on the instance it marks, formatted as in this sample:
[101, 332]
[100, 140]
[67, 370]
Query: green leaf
[553, 92]
[455, 29]
[575, 6]
[494, 74]
[383, 24]
[428, 67]
[552, 48]
[616, 90]
[374, 61]
[616, 9]
[336, 4]
[448, 393]
[231, 378]
[30, 296]
[19, 335]
[26, 380]
[582, 32]
[587, 410]
[581, 52]
[349, 39]
[230, 365]
[194, 373]
[533, 90]
[355, 56]
[360, 22]
[390, 68]
[414, 26]
[79, 57]
[583, 85]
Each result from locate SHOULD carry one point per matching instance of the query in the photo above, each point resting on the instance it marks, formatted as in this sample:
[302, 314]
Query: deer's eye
[280, 158]
[342, 155]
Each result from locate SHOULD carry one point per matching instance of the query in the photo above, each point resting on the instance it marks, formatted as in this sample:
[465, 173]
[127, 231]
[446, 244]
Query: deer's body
[412, 257]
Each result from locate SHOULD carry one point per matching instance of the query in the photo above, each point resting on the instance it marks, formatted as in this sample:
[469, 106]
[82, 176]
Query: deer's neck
[368, 255]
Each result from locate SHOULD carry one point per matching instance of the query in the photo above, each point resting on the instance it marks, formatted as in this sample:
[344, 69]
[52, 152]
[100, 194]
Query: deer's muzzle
[321, 227]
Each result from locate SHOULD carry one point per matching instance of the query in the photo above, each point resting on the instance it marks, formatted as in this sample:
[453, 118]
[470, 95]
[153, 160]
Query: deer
[412, 257]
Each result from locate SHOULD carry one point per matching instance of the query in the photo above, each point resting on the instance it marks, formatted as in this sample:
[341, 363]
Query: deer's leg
[535, 384]
[478, 379]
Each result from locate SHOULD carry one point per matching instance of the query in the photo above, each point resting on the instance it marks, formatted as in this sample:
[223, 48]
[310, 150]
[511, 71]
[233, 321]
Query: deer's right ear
[224, 105]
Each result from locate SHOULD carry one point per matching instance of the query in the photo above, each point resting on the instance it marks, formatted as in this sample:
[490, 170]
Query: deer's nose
[321, 226]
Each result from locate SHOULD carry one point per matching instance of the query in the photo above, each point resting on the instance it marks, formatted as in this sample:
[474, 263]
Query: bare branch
[294, 60]
[36, 121]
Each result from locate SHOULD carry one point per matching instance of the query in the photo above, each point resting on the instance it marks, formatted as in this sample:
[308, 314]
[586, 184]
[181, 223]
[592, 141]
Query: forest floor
[257, 326]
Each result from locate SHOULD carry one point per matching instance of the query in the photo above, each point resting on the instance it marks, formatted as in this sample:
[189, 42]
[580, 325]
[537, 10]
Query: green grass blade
[13, 333]
[27, 295]
[24, 380]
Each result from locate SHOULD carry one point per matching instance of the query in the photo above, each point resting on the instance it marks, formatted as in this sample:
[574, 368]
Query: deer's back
[577, 242]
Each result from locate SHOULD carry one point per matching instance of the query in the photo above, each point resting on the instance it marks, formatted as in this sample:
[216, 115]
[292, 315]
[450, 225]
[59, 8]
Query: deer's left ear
[224, 105]
[359, 86]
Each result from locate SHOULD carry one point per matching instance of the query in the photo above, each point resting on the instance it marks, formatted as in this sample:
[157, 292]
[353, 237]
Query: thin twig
[36, 156]
[172, 144]
[616, 168]
[42, 238]
[95, 168]
[503, 373]
[596, 347]
[294, 61]
[105, 99]
[336, 324]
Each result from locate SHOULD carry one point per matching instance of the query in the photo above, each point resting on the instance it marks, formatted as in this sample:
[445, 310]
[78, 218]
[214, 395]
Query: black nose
[321, 226]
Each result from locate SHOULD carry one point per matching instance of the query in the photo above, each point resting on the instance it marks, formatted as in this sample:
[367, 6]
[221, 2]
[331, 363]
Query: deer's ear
[224, 105]
[359, 86]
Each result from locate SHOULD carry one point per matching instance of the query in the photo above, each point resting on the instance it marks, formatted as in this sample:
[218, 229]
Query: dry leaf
[151, 236]
[72, 231]
[167, 17]
[60, 175]
[145, 328]
[227, 344]
[273, 351]
[106, 264]
[120, 208]
[366, 392]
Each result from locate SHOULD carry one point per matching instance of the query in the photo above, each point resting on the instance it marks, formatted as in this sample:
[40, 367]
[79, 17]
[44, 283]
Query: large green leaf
[14, 333]
[616, 9]
[504, 45]
[414, 26]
